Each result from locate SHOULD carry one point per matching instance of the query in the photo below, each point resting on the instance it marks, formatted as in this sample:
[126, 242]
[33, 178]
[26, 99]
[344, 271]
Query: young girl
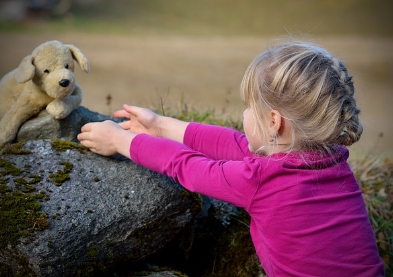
[289, 171]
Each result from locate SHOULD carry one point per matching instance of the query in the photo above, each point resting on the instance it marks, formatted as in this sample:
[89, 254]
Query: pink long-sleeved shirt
[308, 216]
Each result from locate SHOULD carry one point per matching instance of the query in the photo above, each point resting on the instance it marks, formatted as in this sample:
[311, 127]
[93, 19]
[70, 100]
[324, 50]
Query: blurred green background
[214, 17]
[149, 52]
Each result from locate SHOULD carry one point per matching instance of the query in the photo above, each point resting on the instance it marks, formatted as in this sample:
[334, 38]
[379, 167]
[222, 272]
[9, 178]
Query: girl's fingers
[84, 136]
[121, 113]
[86, 127]
[86, 142]
[125, 125]
[131, 109]
[128, 111]
[81, 136]
[126, 107]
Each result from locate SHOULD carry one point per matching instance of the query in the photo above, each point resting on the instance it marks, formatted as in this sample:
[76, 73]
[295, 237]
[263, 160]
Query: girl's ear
[275, 122]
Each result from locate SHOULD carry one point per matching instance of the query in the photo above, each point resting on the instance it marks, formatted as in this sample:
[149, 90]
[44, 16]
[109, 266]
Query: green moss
[15, 149]
[34, 179]
[63, 145]
[9, 168]
[61, 175]
[25, 185]
[94, 266]
[20, 216]
[4, 188]
[50, 244]
[3, 180]
[46, 264]
[20, 181]
[180, 274]
[28, 188]
[93, 253]
[109, 256]
[196, 201]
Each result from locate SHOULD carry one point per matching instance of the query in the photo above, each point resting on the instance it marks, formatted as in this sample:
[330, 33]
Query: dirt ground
[205, 72]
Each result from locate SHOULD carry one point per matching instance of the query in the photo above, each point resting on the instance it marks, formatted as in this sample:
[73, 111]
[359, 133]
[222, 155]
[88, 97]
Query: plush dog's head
[51, 68]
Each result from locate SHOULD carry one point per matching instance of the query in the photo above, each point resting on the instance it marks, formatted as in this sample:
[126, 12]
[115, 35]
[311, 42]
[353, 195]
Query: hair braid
[349, 127]
[344, 78]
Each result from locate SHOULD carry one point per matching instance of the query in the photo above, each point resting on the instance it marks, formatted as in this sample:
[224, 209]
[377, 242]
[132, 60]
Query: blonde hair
[310, 88]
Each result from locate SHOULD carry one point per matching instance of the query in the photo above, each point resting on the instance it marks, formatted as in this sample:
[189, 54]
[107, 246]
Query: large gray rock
[109, 210]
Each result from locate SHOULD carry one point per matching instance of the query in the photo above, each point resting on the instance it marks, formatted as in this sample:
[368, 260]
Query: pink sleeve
[223, 180]
[217, 142]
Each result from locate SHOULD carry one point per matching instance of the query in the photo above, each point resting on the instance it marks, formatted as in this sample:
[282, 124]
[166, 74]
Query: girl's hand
[106, 138]
[142, 120]
[145, 121]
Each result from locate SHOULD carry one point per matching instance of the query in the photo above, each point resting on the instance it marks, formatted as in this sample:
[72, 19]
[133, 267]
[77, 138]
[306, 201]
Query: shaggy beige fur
[44, 78]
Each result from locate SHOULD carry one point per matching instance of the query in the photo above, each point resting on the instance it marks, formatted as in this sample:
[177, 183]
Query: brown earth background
[148, 62]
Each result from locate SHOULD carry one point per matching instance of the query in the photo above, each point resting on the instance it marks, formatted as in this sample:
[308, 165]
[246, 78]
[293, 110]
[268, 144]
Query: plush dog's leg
[20, 112]
[61, 108]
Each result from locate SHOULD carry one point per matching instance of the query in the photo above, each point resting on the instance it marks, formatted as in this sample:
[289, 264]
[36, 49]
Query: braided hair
[311, 89]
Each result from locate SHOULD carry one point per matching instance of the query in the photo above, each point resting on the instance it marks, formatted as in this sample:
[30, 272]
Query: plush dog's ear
[79, 58]
[25, 70]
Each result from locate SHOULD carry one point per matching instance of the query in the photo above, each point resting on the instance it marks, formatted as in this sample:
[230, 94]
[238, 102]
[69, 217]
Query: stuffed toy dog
[44, 79]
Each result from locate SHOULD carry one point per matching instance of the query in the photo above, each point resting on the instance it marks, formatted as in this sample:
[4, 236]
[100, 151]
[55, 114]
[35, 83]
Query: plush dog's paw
[5, 136]
[3, 140]
[58, 109]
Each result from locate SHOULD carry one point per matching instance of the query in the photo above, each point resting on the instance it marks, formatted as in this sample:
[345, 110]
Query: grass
[251, 17]
[227, 17]
[186, 112]
[375, 177]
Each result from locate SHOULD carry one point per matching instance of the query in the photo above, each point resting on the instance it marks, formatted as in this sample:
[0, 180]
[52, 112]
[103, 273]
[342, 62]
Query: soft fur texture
[44, 78]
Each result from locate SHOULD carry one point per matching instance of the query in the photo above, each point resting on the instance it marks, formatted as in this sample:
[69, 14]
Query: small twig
[108, 103]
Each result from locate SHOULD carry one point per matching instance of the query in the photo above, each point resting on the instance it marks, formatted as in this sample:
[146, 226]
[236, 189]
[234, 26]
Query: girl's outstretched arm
[142, 120]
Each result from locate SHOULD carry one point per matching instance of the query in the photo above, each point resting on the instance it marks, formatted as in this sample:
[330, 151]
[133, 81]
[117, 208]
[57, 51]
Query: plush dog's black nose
[64, 83]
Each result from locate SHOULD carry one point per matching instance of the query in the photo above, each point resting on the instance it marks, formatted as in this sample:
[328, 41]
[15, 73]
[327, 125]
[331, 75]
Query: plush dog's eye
[46, 70]
[66, 66]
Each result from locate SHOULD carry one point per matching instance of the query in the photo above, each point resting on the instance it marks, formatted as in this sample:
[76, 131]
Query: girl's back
[309, 219]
